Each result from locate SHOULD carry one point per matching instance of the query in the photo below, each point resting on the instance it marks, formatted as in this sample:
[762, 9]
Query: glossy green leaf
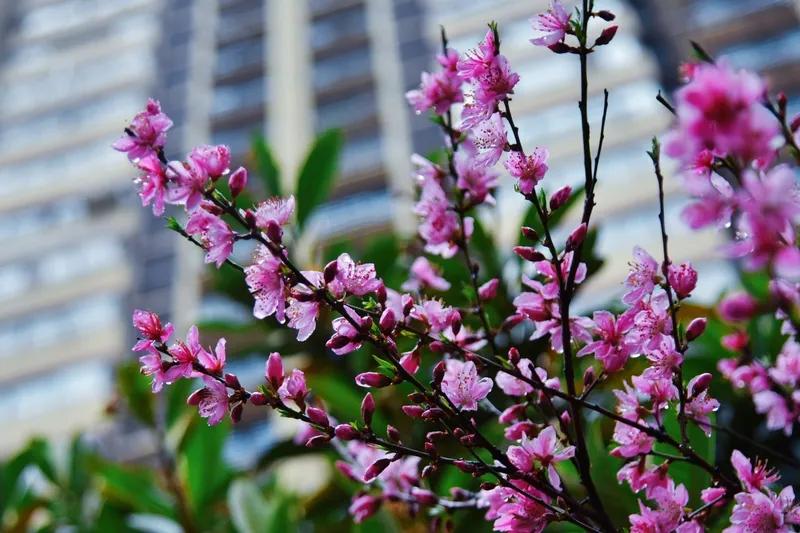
[317, 174]
[135, 488]
[202, 466]
[266, 165]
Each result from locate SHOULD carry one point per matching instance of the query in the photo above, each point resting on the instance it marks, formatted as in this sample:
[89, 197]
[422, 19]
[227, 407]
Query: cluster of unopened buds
[727, 136]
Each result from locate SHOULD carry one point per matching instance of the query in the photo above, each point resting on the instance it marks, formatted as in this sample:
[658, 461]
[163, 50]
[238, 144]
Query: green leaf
[315, 180]
[249, 510]
[202, 466]
[134, 488]
[136, 391]
[37, 454]
[267, 168]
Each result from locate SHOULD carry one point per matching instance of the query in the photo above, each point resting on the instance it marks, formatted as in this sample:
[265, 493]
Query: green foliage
[266, 165]
[316, 176]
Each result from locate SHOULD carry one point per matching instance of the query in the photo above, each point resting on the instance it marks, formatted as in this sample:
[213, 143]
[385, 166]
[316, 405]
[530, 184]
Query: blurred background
[77, 252]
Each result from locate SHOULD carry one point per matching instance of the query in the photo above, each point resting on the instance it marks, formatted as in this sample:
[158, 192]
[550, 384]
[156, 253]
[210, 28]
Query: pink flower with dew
[528, 169]
[611, 348]
[213, 362]
[211, 400]
[490, 139]
[664, 359]
[660, 390]
[639, 477]
[462, 386]
[632, 441]
[544, 450]
[265, 282]
[437, 316]
[440, 225]
[714, 201]
[215, 160]
[476, 62]
[700, 404]
[396, 479]
[721, 110]
[466, 338]
[215, 235]
[274, 212]
[671, 503]
[682, 279]
[549, 289]
[752, 376]
[475, 180]
[152, 183]
[149, 326]
[752, 478]
[184, 359]
[346, 337]
[775, 406]
[628, 402]
[551, 26]
[512, 386]
[757, 511]
[579, 326]
[425, 275]
[146, 133]
[652, 323]
[642, 277]
[294, 387]
[189, 183]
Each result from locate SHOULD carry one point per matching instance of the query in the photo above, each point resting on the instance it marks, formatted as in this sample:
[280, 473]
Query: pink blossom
[640, 477]
[425, 275]
[642, 277]
[439, 90]
[752, 479]
[628, 402]
[488, 290]
[213, 362]
[149, 326]
[346, 337]
[632, 441]
[714, 201]
[146, 133]
[787, 366]
[682, 279]
[671, 502]
[152, 365]
[215, 160]
[737, 307]
[189, 181]
[652, 322]
[440, 225]
[152, 183]
[274, 212]
[579, 327]
[528, 169]
[757, 511]
[490, 139]
[215, 235]
[753, 376]
[462, 386]
[211, 400]
[514, 513]
[664, 359]
[543, 449]
[779, 415]
[183, 361]
[397, 478]
[514, 386]
[721, 110]
[474, 179]
[611, 348]
[266, 284]
[303, 312]
[357, 279]
[294, 387]
[552, 26]
[363, 506]
[437, 316]
[700, 404]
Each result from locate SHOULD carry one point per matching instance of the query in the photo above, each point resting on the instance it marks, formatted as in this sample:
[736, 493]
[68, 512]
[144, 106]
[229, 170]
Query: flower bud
[231, 381]
[577, 236]
[363, 507]
[530, 233]
[488, 485]
[408, 303]
[346, 432]
[512, 321]
[438, 347]
[274, 232]
[429, 448]
[782, 102]
[682, 279]
[387, 321]
[367, 409]
[588, 377]
[375, 469]
[560, 48]
[438, 373]
[464, 466]
[249, 218]
[528, 253]
[738, 307]
[434, 413]
[424, 497]
[560, 197]
[795, 124]
[238, 181]
[258, 398]
[236, 413]
[513, 355]
[195, 397]
[428, 471]
[374, 380]
[331, 269]
[510, 414]
[412, 411]
[318, 416]
[736, 341]
[416, 397]
[317, 440]
[488, 290]
[606, 15]
[410, 361]
[698, 384]
[696, 328]
[565, 418]
[393, 433]
[606, 36]
[274, 370]
[380, 294]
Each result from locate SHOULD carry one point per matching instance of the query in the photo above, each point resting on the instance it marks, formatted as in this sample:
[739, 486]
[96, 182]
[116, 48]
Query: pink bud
[428, 471]
[410, 361]
[513, 355]
[393, 433]
[736, 341]
[488, 290]
[464, 466]
[318, 416]
[274, 232]
[530, 233]
[438, 347]
[577, 236]
[795, 124]
[274, 370]
[347, 470]
[512, 321]
[738, 307]
[560, 197]
[195, 397]
[696, 328]
[317, 440]
[236, 413]
[565, 418]
[238, 181]
[346, 432]
[363, 507]
[413, 411]
[606, 15]
[375, 469]
[528, 253]
[438, 373]
[380, 294]
[331, 269]
[606, 36]
[231, 381]
[424, 497]
[367, 408]
[698, 384]
[588, 376]
[258, 398]
[387, 321]
[682, 279]
[515, 412]
[374, 380]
